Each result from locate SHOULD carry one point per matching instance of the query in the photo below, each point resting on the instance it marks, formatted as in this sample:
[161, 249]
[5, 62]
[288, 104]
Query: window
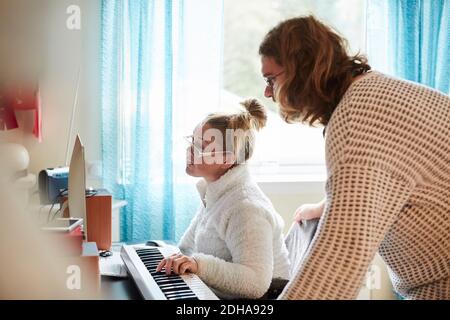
[281, 148]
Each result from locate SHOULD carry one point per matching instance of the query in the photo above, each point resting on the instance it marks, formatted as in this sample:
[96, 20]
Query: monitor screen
[77, 184]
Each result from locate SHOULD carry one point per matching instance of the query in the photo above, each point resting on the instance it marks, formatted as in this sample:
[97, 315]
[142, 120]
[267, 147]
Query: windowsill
[276, 173]
[290, 179]
[292, 187]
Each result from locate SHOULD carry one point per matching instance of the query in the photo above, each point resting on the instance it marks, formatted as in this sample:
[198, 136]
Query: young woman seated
[235, 242]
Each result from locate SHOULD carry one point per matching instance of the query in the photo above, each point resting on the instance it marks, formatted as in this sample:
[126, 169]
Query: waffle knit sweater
[388, 190]
[236, 237]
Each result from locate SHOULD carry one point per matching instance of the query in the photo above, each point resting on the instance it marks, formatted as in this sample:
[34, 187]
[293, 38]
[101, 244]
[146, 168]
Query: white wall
[34, 37]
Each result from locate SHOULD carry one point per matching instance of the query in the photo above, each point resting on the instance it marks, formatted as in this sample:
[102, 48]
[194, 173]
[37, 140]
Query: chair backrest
[298, 240]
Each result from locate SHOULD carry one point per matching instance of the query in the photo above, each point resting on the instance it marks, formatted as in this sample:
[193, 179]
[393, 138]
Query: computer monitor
[77, 184]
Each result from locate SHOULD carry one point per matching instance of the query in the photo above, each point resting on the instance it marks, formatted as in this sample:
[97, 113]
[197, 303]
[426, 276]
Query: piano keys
[141, 262]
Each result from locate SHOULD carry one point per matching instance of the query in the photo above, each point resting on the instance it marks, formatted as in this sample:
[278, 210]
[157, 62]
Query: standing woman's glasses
[270, 81]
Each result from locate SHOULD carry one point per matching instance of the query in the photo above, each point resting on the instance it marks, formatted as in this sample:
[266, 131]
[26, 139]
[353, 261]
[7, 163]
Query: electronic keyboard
[141, 262]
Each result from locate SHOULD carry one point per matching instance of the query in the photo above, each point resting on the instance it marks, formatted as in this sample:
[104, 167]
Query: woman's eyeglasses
[270, 81]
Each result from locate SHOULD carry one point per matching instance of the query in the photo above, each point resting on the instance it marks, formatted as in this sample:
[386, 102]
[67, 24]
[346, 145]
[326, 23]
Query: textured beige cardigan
[388, 190]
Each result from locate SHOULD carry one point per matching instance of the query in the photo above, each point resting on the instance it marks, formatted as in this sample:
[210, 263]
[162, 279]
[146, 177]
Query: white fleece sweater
[236, 237]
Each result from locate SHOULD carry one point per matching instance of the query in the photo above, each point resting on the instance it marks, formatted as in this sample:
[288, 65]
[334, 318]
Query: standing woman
[387, 159]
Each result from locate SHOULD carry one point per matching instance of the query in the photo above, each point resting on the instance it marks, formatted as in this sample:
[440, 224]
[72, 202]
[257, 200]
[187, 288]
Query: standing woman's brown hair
[317, 68]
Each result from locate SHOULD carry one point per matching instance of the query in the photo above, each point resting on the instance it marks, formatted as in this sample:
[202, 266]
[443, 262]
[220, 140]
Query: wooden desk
[119, 289]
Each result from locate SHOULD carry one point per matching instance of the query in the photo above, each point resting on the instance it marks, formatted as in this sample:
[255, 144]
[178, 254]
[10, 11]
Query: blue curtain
[415, 35]
[149, 52]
